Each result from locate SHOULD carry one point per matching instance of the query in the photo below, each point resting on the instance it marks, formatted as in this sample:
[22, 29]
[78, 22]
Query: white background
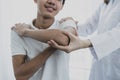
[14, 11]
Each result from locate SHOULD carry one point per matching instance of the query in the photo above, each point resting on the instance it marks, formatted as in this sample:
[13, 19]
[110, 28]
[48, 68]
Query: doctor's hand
[75, 43]
[21, 28]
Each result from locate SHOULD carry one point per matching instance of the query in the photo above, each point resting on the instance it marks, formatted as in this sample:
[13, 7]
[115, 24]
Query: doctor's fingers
[70, 35]
[57, 46]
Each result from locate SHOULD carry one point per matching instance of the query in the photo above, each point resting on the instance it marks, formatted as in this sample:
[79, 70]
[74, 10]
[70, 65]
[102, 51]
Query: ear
[35, 1]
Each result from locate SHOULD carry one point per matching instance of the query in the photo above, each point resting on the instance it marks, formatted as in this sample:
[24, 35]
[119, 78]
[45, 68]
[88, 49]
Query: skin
[75, 42]
[47, 9]
[24, 70]
[44, 35]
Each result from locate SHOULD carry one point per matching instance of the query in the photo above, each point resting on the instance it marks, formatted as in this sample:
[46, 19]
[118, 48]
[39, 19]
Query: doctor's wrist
[87, 43]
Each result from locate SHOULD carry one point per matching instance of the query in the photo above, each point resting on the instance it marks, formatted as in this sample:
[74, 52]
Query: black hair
[63, 2]
[106, 1]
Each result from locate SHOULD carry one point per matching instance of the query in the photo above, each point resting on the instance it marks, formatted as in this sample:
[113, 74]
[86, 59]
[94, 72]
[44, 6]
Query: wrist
[87, 43]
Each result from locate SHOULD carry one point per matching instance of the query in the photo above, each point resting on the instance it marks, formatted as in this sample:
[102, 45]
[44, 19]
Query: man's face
[48, 8]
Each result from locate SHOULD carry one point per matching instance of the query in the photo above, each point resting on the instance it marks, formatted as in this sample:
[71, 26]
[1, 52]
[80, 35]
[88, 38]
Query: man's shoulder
[14, 35]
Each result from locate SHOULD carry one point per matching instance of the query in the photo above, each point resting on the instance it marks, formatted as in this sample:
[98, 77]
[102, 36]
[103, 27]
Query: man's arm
[45, 35]
[24, 70]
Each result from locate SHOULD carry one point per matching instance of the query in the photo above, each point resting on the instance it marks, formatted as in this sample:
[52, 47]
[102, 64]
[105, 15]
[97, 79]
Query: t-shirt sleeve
[17, 44]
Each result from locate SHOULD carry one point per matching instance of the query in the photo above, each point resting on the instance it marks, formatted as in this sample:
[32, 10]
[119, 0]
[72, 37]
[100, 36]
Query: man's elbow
[21, 76]
[63, 40]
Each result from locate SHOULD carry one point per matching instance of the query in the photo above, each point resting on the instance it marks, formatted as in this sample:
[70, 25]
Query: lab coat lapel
[109, 16]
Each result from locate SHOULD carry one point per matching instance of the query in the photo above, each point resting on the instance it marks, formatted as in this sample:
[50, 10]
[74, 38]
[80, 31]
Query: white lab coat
[106, 43]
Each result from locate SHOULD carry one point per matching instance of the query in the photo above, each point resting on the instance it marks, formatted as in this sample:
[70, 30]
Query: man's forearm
[41, 35]
[26, 70]
[46, 35]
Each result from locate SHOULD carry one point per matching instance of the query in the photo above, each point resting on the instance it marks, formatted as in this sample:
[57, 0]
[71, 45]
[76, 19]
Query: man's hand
[21, 28]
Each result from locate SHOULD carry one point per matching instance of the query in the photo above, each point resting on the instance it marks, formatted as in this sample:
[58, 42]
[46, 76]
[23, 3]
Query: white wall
[6, 68]
[14, 11]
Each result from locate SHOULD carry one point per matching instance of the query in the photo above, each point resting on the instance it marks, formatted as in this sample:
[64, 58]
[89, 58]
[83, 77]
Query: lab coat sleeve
[91, 24]
[107, 42]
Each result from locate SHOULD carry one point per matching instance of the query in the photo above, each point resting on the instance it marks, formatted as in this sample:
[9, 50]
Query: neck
[42, 22]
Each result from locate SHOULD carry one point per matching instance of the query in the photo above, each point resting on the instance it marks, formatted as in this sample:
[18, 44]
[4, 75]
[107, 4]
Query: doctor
[105, 46]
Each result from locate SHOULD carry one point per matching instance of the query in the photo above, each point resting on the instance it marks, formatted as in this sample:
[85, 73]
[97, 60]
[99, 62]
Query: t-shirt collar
[52, 26]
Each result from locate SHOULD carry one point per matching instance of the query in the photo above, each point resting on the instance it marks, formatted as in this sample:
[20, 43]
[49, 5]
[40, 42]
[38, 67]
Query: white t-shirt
[57, 65]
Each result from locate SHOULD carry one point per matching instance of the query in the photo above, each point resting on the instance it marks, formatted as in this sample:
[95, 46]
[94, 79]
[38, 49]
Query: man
[29, 55]
[104, 46]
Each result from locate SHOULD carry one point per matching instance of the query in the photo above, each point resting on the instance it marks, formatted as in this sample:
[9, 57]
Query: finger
[70, 35]
[76, 22]
[55, 45]
[49, 42]
[25, 26]
[76, 34]
[17, 24]
[13, 27]
[30, 27]
[61, 21]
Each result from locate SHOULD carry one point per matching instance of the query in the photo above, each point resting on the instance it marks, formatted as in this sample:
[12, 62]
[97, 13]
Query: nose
[52, 2]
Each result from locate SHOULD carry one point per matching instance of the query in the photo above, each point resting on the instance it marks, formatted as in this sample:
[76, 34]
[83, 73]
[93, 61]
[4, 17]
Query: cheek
[40, 7]
[59, 7]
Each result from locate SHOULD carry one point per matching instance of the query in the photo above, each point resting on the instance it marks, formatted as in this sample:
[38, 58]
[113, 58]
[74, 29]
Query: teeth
[50, 7]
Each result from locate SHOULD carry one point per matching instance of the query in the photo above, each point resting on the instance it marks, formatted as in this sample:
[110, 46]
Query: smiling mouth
[50, 8]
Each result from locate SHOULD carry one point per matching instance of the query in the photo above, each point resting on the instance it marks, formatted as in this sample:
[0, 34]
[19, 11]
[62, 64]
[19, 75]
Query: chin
[48, 16]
